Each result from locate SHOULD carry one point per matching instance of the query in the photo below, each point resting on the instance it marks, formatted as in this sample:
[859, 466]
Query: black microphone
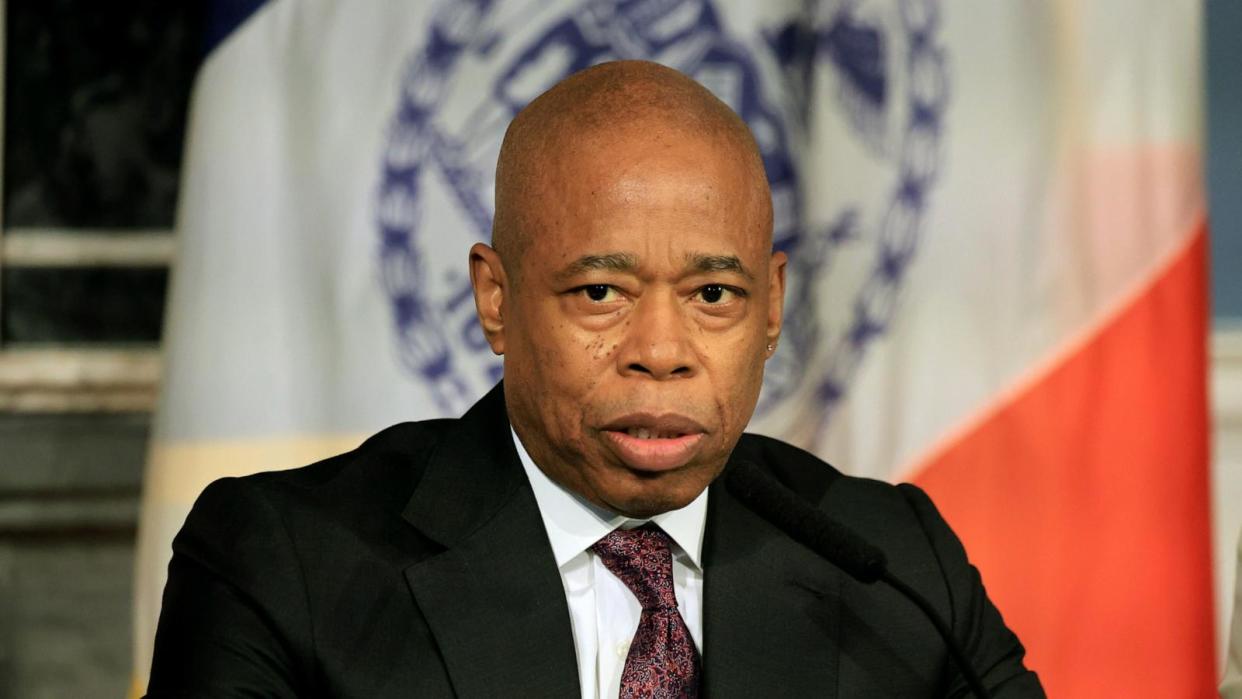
[838, 544]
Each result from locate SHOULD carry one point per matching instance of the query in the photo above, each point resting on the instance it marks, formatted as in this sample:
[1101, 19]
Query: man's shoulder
[341, 508]
[879, 510]
[381, 472]
[813, 478]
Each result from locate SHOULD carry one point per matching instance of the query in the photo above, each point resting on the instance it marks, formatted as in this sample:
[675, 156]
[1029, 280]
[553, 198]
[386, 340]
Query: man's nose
[657, 342]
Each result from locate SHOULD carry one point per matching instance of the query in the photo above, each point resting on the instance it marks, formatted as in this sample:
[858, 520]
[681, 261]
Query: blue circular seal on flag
[845, 100]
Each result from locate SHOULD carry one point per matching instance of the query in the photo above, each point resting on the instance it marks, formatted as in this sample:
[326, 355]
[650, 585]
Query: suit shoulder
[810, 476]
[797, 469]
[847, 497]
[385, 467]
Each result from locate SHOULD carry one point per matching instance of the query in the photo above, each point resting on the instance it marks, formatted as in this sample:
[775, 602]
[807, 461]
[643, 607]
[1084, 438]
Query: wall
[94, 105]
[1224, 170]
[1224, 66]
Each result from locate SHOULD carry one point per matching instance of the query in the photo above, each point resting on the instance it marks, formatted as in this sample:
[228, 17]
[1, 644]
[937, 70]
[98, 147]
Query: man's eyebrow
[717, 263]
[613, 262]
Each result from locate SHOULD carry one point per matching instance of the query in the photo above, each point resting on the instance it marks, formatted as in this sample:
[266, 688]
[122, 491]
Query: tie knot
[642, 560]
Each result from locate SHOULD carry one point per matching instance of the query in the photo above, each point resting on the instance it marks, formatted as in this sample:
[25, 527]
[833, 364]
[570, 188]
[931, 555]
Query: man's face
[636, 331]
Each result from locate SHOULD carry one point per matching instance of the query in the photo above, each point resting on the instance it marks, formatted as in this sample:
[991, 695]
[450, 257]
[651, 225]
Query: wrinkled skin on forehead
[632, 291]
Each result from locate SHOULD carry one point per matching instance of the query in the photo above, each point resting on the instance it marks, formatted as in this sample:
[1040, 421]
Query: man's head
[632, 288]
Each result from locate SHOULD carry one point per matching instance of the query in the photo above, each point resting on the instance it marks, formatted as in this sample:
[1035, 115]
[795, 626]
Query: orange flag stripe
[1084, 501]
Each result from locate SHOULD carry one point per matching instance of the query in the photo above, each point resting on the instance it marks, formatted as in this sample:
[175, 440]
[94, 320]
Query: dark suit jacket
[417, 566]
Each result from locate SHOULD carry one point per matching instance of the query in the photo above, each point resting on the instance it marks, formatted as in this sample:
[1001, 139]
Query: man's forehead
[678, 216]
[686, 174]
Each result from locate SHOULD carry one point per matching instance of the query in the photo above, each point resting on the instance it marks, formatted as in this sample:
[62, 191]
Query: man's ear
[776, 297]
[487, 276]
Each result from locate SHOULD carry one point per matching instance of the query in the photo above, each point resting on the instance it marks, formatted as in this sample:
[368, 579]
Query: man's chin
[647, 508]
[655, 494]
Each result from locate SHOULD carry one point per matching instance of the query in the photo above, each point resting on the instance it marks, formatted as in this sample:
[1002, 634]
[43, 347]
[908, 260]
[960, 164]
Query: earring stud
[771, 347]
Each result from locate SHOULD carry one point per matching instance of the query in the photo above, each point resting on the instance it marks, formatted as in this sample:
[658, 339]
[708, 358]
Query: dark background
[95, 99]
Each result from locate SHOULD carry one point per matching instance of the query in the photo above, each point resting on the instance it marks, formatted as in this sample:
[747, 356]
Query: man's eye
[599, 292]
[716, 293]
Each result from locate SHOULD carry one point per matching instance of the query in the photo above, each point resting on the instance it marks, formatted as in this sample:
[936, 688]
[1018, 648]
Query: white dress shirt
[602, 609]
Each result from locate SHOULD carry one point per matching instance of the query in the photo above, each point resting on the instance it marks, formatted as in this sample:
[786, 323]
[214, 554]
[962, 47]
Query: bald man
[570, 535]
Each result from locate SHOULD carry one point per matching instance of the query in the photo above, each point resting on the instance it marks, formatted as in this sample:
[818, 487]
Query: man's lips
[648, 442]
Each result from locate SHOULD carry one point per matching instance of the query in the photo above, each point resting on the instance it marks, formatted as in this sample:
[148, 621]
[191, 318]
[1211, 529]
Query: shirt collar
[573, 524]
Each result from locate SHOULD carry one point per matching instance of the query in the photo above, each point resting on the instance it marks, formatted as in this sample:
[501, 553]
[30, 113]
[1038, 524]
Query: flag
[996, 225]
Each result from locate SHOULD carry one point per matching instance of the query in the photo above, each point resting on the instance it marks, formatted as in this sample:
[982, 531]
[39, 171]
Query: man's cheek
[743, 391]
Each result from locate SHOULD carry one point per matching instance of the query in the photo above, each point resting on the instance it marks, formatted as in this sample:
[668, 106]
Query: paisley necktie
[662, 660]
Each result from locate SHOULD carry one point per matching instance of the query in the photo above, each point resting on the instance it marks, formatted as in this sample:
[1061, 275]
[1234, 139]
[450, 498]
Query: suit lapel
[770, 607]
[493, 598]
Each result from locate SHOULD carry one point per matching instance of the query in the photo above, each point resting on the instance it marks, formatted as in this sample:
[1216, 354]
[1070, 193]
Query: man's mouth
[644, 433]
[654, 443]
